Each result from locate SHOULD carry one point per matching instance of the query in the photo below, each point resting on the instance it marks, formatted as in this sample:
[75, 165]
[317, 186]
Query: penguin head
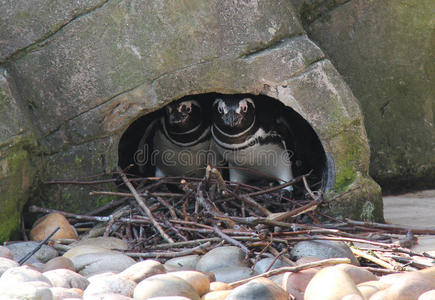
[233, 115]
[183, 116]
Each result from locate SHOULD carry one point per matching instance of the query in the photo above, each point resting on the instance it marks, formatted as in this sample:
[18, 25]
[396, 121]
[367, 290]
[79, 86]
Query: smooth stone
[144, 269]
[330, 283]
[323, 250]
[263, 264]
[260, 288]
[164, 285]
[357, 274]
[198, 280]
[23, 274]
[220, 257]
[110, 284]
[6, 253]
[60, 293]
[106, 296]
[296, 282]
[66, 278]
[21, 249]
[381, 295]
[187, 262]
[353, 297]
[231, 274]
[6, 263]
[410, 289]
[25, 290]
[45, 225]
[216, 295]
[96, 263]
[110, 243]
[429, 295]
[219, 286]
[84, 249]
[169, 298]
[59, 262]
[369, 288]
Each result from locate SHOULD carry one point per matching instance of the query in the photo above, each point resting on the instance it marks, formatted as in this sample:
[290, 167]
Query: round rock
[260, 288]
[62, 293]
[96, 263]
[110, 284]
[25, 290]
[144, 269]
[357, 274]
[263, 264]
[198, 280]
[6, 253]
[330, 283]
[164, 285]
[84, 249]
[231, 274]
[187, 262]
[21, 249]
[111, 243]
[228, 256]
[323, 250]
[23, 274]
[216, 295]
[429, 295]
[59, 262]
[48, 223]
[6, 263]
[66, 278]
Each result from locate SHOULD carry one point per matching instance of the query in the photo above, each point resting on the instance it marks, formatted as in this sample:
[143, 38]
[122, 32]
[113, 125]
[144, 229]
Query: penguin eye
[243, 105]
[222, 107]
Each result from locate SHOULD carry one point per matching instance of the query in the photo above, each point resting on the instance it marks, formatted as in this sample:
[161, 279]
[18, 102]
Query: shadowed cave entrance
[308, 153]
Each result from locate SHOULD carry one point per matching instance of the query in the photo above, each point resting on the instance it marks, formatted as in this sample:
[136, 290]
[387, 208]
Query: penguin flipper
[145, 145]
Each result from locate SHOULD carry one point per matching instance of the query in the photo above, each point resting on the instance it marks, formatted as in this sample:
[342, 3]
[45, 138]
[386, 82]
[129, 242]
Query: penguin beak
[232, 118]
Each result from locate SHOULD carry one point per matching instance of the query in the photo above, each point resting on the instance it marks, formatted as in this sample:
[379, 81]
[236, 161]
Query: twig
[320, 263]
[185, 252]
[144, 207]
[400, 228]
[278, 187]
[371, 258]
[41, 243]
[231, 240]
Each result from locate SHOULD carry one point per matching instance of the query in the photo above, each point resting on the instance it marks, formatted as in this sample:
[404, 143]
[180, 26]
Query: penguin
[181, 140]
[251, 138]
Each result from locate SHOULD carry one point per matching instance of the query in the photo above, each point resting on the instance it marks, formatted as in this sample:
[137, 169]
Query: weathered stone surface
[33, 290]
[265, 264]
[144, 269]
[59, 262]
[48, 223]
[96, 263]
[199, 281]
[23, 274]
[103, 242]
[6, 253]
[6, 263]
[151, 53]
[323, 250]
[187, 262]
[164, 285]
[66, 278]
[260, 288]
[221, 257]
[384, 50]
[20, 249]
[231, 274]
[110, 284]
[63, 293]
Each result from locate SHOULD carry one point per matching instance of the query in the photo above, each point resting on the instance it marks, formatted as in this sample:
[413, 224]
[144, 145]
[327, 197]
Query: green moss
[367, 213]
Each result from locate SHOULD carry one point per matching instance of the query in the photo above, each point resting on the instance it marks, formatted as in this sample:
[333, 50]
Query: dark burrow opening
[308, 152]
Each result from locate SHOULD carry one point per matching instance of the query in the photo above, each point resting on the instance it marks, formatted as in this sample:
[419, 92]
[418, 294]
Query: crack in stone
[41, 42]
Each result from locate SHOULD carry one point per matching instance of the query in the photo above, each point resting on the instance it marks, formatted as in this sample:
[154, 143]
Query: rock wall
[385, 51]
[80, 73]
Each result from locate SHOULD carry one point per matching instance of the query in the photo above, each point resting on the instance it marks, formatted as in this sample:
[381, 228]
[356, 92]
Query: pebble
[216, 295]
[25, 290]
[263, 264]
[6, 253]
[368, 288]
[6, 263]
[21, 249]
[60, 293]
[357, 274]
[219, 286]
[330, 283]
[429, 295]
[110, 243]
[228, 256]
[66, 278]
[110, 284]
[48, 223]
[296, 283]
[198, 280]
[96, 263]
[256, 289]
[164, 285]
[144, 269]
[84, 249]
[323, 250]
[231, 274]
[23, 274]
[187, 262]
[59, 262]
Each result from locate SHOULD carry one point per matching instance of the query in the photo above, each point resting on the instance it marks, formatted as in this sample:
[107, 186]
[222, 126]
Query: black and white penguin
[251, 138]
[181, 140]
